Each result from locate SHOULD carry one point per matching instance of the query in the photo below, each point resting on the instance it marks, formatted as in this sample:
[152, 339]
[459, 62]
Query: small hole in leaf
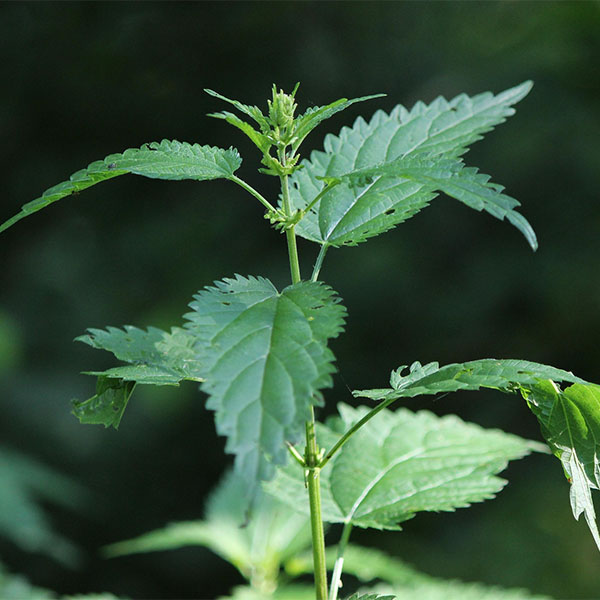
[226, 303]
[390, 211]
[112, 166]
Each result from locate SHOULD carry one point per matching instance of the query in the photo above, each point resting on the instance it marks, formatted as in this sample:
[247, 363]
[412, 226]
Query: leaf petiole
[254, 193]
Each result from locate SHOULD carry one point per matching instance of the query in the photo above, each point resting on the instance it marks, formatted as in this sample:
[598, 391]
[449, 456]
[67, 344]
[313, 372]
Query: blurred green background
[82, 80]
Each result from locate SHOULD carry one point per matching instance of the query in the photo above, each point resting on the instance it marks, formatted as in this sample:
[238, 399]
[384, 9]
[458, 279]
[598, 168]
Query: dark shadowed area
[83, 80]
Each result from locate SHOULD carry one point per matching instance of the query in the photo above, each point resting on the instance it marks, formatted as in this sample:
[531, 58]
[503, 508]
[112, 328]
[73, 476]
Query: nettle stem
[311, 456]
[290, 233]
[313, 483]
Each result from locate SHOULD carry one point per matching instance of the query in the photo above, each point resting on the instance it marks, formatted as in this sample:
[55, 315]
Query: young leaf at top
[401, 463]
[348, 215]
[266, 357]
[315, 115]
[171, 160]
[569, 419]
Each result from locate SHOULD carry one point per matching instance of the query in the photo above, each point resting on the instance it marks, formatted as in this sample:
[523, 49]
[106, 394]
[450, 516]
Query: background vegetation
[82, 80]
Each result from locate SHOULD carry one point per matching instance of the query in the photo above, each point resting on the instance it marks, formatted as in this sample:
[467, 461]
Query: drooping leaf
[569, 419]
[25, 484]
[266, 357]
[449, 176]
[402, 463]
[171, 160]
[154, 356]
[107, 405]
[347, 215]
[274, 535]
[570, 423]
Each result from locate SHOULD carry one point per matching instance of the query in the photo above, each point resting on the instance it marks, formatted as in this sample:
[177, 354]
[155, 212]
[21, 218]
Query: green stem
[311, 455]
[336, 578]
[326, 188]
[316, 521]
[290, 233]
[255, 193]
[319, 262]
[354, 429]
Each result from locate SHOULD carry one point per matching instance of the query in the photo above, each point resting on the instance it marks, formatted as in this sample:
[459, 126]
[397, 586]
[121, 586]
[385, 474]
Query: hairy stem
[336, 578]
[316, 521]
[290, 233]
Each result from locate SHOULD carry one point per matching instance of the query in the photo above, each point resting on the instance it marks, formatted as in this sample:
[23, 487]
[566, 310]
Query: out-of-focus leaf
[25, 482]
[274, 534]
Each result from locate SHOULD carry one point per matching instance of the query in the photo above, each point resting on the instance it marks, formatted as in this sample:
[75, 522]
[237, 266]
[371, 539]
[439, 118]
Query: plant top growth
[261, 356]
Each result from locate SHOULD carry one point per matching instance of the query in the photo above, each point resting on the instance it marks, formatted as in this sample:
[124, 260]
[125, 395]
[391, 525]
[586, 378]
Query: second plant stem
[311, 456]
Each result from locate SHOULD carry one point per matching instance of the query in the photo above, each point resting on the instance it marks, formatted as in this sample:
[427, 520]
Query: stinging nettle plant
[261, 354]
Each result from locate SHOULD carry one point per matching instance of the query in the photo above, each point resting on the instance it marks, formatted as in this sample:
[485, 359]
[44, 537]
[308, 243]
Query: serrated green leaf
[401, 463]
[346, 215]
[266, 357]
[155, 356]
[570, 423]
[171, 160]
[315, 115]
[501, 374]
[449, 176]
[569, 419]
[274, 534]
[107, 405]
[252, 111]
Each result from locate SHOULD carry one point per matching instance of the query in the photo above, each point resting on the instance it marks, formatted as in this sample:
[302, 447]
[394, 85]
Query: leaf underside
[348, 215]
[171, 160]
[266, 357]
[569, 418]
[402, 463]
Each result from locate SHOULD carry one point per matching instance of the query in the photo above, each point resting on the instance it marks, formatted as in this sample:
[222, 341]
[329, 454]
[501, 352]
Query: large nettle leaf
[400, 463]
[158, 160]
[154, 357]
[349, 213]
[266, 357]
[569, 418]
